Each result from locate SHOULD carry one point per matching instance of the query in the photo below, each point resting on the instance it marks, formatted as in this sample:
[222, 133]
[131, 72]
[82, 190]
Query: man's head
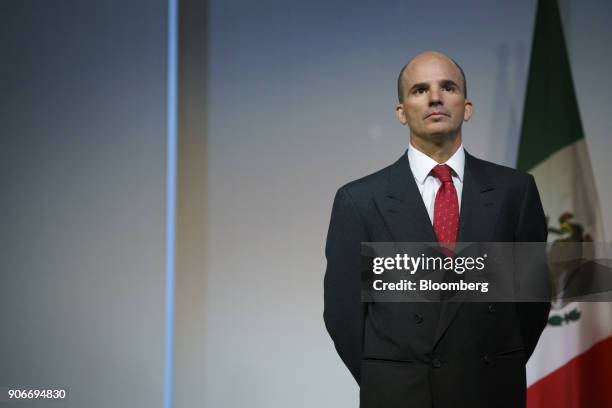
[433, 97]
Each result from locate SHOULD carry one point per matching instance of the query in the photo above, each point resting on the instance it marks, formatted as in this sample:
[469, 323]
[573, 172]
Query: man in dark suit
[433, 354]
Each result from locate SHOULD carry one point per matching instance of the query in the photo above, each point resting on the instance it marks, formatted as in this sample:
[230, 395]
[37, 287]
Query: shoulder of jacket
[367, 186]
[501, 172]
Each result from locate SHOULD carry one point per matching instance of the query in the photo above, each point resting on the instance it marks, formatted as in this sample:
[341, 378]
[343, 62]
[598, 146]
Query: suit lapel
[402, 208]
[479, 210]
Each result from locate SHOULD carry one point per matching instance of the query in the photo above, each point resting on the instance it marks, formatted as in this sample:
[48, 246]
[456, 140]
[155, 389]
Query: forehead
[431, 68]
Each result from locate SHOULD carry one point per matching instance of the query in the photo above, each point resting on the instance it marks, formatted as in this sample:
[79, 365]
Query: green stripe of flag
[551, 119]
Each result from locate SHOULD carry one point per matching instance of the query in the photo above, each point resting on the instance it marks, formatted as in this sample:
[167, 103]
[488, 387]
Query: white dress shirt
[428, 184]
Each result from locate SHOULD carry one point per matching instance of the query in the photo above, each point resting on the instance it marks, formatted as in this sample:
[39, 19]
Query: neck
[438, 148]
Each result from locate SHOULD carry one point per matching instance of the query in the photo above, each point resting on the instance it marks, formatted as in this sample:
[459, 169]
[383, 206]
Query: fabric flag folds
[572, 363]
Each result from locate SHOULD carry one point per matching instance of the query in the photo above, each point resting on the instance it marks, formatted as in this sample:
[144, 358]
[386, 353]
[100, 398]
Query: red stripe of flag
[584, 382]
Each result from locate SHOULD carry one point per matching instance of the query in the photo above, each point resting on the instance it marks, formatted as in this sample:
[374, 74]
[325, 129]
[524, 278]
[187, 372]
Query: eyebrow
[443, 82]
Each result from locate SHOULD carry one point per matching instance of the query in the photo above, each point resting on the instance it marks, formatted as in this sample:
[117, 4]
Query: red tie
[446, 207]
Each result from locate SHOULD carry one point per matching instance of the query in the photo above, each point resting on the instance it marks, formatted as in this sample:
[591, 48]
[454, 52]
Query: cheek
[459, 109]
[413, 113]
[415, 122]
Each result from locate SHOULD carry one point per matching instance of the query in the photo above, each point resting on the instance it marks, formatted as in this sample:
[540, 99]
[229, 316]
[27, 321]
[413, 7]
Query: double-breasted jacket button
[487, 359]
[417, 318]
[491, 308]
[436, 363]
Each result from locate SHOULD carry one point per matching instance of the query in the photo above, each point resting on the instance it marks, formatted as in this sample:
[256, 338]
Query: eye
[448, 88]
[419, 91]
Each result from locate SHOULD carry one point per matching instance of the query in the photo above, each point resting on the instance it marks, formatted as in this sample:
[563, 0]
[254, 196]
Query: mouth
[436, 114]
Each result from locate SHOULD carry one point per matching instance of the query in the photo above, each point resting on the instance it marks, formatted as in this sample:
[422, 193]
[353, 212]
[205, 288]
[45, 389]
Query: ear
[401, 115]
[469, 110]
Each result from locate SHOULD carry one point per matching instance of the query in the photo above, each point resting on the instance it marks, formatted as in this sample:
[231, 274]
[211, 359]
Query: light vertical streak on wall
[170, 197]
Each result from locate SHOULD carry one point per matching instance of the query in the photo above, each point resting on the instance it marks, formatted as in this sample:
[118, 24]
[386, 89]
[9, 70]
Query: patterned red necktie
[446, 207]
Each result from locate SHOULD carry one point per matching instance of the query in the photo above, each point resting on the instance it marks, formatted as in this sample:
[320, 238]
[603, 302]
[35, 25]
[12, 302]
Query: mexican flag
[572, 364]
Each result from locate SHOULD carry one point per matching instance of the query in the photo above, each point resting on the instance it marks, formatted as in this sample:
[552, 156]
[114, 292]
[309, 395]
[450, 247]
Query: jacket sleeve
[532, 227]
[344, 312]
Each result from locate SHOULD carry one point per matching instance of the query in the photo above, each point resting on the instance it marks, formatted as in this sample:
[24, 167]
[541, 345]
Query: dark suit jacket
[417, 355]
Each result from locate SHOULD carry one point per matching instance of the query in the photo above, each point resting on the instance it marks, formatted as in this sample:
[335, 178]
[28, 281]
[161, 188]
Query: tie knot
[443, 173]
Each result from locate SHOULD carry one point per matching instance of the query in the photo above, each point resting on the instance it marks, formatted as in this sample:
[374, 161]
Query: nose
[435, 97]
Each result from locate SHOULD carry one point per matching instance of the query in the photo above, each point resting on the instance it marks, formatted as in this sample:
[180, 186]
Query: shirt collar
[421, 164]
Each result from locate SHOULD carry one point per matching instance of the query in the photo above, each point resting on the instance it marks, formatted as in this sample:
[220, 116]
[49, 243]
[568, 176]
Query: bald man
[423, 355]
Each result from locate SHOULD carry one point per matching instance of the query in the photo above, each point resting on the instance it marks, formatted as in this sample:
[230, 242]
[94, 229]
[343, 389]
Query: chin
[441, 134]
